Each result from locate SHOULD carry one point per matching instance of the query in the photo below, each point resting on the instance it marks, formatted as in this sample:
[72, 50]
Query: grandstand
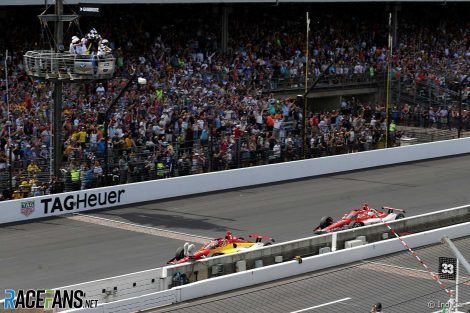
[222, 86]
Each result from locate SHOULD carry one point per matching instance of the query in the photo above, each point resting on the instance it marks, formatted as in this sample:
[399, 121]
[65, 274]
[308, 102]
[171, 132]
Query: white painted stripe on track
[400, 270]
[396, 266]
[137, 228]
[321, 305]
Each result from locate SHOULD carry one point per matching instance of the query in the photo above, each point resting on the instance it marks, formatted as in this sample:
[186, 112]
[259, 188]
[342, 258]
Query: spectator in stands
[75, 175]
[97, 174]
[100, 91]
[33, 169]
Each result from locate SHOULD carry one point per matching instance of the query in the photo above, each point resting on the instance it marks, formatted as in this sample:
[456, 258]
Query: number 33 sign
[447, 268]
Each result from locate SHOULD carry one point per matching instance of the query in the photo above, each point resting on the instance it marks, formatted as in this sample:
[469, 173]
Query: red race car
[219, 246]
[359, 217]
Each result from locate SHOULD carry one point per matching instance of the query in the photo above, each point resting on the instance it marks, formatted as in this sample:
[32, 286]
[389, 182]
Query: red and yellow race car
[219, 246]
[359, 217]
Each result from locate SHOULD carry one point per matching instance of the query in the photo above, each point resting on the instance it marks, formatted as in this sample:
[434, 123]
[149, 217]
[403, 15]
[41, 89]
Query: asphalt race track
[64, 251]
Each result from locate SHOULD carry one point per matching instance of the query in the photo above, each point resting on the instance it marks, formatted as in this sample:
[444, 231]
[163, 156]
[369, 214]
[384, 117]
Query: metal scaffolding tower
[60, 66]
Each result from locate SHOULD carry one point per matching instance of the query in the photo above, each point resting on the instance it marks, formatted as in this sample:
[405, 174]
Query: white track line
[399, 270]
[321, 305]
[137, 228]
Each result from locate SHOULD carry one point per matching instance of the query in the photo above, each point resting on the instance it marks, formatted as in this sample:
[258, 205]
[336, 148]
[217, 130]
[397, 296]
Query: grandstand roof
[42, 2]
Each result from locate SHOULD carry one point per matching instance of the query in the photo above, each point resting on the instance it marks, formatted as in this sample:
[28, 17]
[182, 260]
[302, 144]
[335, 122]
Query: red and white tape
[413, 253]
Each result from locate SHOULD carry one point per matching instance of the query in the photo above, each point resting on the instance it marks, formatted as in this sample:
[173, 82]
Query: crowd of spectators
[204, 109]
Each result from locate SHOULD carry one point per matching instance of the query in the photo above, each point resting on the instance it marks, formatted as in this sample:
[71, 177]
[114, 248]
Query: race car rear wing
[259, 238]
[391, 210]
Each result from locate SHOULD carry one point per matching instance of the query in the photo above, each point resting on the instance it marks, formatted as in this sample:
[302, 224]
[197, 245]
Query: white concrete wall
[122, 287]
[135, 304]
[80, 201]
[318, 262]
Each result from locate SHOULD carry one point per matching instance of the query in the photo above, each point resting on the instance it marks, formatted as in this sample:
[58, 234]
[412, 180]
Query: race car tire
[325, 221]
[179, 253]
[400, 216]
[267, 244]
[356, 225]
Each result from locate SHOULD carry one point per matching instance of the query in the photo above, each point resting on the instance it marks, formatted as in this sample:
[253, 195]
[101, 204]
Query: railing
[143, 163]
[426, 94]
[329, 81]
[43, 64]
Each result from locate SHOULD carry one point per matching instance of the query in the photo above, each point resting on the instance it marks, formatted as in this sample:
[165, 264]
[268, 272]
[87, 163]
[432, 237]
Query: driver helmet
[228, 235]
[365, 206]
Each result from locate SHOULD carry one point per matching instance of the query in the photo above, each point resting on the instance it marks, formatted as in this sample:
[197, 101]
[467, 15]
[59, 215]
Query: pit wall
[136, 284]
[278, 271]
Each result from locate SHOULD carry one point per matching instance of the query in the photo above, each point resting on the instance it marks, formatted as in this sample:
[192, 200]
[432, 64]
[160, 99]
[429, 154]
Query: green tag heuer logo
[27, 208]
